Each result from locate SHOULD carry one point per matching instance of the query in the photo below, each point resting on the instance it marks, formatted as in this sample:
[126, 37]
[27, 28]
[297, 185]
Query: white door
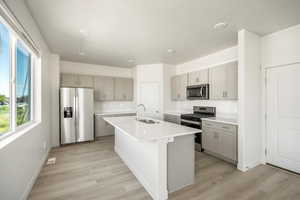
[283, 117]
[150, 97]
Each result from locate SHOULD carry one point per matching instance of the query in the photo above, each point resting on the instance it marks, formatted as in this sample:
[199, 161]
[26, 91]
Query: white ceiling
[143, 30]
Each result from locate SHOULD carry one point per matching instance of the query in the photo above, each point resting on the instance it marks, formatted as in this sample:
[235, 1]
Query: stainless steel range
[194, 121]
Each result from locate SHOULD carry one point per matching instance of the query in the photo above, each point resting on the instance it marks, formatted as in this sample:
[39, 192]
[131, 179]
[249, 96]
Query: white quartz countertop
[177, 113]
[115, 112]
[225, 120]
[149, 132]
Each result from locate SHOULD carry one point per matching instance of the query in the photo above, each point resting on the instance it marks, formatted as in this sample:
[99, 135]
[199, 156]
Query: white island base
[162, 166]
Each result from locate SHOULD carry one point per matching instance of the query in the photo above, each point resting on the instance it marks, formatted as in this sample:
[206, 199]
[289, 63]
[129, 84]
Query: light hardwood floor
[91, 171]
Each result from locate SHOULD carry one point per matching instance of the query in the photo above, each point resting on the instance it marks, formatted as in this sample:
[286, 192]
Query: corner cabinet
[178, 87]
[223, 82]
[220, 139]
[123, 89]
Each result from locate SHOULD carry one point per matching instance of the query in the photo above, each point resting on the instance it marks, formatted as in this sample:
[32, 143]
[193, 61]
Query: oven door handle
[191, 122]
[201, 91]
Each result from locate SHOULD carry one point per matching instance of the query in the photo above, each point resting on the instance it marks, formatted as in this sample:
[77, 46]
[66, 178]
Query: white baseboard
[34, 177]
[250, 166]
[137, 174]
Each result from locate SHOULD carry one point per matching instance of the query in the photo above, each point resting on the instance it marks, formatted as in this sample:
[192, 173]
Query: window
[4, 80]
[23, 84]
[16, 75]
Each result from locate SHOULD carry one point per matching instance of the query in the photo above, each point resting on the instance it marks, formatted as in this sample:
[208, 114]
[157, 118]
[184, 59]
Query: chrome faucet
[137, 110]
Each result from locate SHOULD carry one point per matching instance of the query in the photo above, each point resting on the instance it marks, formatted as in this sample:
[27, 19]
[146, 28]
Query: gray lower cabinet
[172, 118]
[123, 89]
[102, 128]
[220, 139]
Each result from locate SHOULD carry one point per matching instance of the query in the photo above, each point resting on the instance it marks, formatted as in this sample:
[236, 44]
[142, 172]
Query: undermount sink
[147, 121]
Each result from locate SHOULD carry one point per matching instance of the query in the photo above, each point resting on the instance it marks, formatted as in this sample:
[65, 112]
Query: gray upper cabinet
[174, 88]
[224, 82]
[68, 80]
[85, 81]
[123, 89]
[74, 80]
[104, 88]
[198, 77]
[178, 87]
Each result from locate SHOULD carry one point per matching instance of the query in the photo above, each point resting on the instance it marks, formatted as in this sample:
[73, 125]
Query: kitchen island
[161, 155]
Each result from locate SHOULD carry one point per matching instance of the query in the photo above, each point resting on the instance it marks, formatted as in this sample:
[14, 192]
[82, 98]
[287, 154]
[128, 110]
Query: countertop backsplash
[228, 109]
[114, 106]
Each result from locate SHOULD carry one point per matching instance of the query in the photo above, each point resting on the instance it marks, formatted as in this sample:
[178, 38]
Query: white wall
[250, 107]
[101, 70]
[211, 60]
[54, 62]
[152, 73]
[281, 48]
[278, 49]
[224, 108]
[22, 158]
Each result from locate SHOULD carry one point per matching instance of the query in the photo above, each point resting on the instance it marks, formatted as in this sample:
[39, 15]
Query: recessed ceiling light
[171, 51]
[220, 25]
[130, 60]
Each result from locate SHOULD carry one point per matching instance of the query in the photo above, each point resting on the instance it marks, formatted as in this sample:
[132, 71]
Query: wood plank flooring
[93, 171]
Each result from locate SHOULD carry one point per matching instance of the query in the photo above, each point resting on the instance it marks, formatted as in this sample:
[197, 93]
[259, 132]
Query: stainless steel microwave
[198, 92]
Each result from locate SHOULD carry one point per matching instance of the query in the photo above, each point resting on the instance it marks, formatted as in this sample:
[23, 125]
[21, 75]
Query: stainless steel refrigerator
[76, 115]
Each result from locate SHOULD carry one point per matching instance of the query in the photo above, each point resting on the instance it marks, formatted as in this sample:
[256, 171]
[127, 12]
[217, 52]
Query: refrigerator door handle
[76, 114]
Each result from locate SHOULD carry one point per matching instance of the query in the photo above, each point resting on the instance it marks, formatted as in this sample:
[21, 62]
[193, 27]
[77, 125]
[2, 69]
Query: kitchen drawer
[219, 125]
[208, 124]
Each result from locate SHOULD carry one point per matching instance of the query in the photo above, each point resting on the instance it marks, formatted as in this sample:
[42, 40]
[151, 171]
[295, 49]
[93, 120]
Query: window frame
[13, 128]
